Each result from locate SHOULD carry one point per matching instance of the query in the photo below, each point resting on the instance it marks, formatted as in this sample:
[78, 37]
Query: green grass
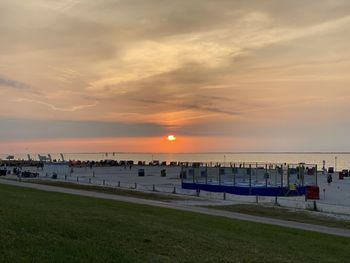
[285, 214]
[108, 190]
[38, 226]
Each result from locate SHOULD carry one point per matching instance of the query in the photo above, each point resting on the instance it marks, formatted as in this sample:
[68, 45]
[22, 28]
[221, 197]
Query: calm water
[340, 160]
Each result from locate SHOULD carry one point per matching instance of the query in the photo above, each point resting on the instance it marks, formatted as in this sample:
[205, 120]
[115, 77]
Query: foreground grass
[285, 214]
[38, 226]
[107, 190]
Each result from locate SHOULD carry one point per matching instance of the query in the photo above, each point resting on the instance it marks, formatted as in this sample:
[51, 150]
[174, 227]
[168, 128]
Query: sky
[222, 76]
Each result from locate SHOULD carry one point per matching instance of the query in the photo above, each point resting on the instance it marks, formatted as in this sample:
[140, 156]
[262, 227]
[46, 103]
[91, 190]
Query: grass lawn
[38, 226]
[285, 214]
[108, 190]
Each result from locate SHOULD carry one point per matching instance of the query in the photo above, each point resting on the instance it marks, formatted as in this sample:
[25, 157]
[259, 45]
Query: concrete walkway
[201, 210]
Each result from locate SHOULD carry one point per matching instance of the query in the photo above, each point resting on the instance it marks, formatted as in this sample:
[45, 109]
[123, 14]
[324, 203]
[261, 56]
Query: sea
[335, 159]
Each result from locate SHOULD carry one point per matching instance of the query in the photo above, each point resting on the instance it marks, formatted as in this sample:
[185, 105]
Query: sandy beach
[334, 197]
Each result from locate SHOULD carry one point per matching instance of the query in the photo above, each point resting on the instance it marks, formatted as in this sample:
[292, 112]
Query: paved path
[201, 210]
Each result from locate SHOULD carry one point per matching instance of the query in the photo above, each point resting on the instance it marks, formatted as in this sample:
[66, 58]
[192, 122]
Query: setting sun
[171, 138]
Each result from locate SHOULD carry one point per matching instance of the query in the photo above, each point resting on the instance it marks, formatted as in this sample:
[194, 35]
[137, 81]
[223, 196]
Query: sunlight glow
[171, 138]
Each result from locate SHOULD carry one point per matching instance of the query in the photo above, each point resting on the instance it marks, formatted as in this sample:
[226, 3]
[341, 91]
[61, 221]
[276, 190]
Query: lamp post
[335, 163]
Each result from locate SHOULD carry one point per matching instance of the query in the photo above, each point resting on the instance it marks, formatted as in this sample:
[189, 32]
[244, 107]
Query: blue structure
[244, 190]
[250, 179]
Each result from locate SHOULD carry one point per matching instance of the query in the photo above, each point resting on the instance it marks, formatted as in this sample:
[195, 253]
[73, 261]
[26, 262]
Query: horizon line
[213, 152]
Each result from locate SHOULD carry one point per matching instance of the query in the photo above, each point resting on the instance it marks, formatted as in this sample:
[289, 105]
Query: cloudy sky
[225, 75]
